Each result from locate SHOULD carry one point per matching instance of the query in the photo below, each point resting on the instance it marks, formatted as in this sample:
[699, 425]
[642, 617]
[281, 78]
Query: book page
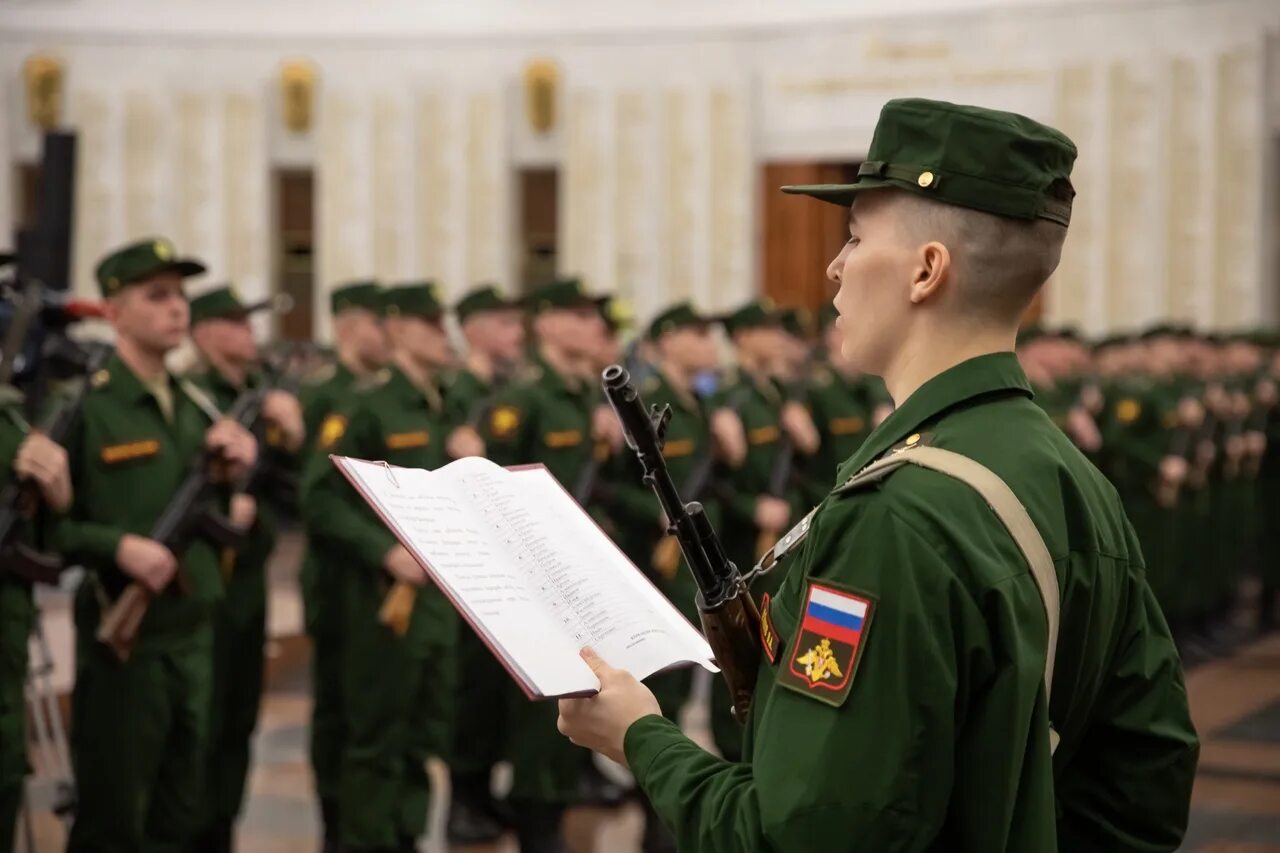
[531, 571]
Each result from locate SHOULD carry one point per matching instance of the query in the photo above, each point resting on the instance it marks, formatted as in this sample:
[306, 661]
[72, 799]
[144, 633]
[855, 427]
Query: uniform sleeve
[1130, 782]
[80, 540]
[874, 773]
[332, 509]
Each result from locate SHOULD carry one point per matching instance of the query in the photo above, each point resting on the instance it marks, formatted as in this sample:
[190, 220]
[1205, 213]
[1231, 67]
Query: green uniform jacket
[842, 409]
[127, 462]
[938, 739]
[543, 418]
[466, 398]
[392, 420]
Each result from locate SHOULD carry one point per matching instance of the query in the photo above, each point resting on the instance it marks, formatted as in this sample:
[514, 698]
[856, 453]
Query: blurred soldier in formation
[361, 351]
[223, 336]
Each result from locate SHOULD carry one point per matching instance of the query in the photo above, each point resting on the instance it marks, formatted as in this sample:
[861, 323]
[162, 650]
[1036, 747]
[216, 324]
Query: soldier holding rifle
[141, 725]
[964, 653]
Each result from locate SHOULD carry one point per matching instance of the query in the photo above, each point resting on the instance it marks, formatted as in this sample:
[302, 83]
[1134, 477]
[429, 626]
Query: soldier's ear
[931, 273]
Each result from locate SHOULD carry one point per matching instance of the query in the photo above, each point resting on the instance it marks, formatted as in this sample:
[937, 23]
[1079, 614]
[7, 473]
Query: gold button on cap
[925, 179]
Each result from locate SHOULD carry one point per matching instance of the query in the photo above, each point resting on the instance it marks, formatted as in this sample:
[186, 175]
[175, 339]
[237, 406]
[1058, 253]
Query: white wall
[667, 110]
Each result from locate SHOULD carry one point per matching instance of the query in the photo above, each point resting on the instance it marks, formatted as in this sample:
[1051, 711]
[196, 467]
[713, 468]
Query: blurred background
[295, 145]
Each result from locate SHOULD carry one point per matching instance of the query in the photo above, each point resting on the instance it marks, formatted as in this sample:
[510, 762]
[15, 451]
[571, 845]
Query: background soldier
[398, 679]
[361, 350]
[494, 331]
[140, 727]
[32, 457]
[547, 416]
[223, 336]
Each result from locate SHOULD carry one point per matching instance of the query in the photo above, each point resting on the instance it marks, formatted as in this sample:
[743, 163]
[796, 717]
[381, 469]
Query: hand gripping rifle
[730, 619]
[20, 500]
[188, 516]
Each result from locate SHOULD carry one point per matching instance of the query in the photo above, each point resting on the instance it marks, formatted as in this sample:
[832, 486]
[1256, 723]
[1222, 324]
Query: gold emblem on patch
[331, 430]
[102, 377]
[406, 440]
[1127, 411]
[504, 421]
[819, 663]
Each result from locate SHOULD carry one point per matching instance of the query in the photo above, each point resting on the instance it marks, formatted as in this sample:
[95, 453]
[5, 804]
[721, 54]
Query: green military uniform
[901, 702]
[480, 708]
[843, 409]
[757, 401]
[397, 690]
[17, 614]
[638, 516]
[543, 417]
[240, 621]
[139, 728]
[322, 402]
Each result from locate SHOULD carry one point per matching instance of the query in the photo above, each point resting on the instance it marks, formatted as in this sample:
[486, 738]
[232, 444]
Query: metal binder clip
[391, 475]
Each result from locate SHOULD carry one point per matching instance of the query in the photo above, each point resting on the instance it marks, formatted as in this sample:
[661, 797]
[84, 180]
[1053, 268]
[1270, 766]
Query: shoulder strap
[1012, 514]
[200, 398]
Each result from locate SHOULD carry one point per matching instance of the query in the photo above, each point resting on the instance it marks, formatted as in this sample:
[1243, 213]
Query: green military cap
[481, 299]
[224, 301]
[679, 316]
[1027, 334]
[140, 261]
[797, 322]
[416, 299]
[987, 160]
[356, 294]
[561, 293]
[752, 315]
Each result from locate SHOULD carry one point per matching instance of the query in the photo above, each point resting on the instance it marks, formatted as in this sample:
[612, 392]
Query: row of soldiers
[1186, 427]
[1182, 425]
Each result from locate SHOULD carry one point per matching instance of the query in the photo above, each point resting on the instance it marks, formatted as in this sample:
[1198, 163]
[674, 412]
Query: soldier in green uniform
[398, 680]
[547, 416]
[904, 696]
[222, 335]
[1268, 395]
[140, 727]
[683, 347]
[361, 351]
[31, 457]
[493, 327]
[843, 403]
[758, 500]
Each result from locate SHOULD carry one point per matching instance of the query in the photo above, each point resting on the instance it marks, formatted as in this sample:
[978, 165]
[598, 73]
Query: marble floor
[1235, 703]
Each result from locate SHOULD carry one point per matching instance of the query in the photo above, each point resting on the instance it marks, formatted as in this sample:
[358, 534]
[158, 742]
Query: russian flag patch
[828, 642]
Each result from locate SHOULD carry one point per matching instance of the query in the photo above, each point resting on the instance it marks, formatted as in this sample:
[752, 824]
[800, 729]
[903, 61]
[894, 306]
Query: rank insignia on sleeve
[828, 642]
[331, 430]
[407, 440]
[504, 421]
[768, 635]
[130, 450]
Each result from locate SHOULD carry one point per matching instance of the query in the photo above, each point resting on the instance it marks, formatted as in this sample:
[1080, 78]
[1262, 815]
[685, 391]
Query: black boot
[216, 839]
[537, 827]
[473, 815]
[332, 830]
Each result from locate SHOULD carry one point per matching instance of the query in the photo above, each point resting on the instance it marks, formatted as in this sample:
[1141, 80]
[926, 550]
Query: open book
[531, 572]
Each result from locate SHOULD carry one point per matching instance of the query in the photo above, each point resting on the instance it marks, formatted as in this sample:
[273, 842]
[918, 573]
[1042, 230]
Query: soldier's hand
[283, 411]
[244, 510]
[772, 513]
[1255, 442]
[798, 423]
[1173, 470]
[600, 723]
[1190, 412]
[464, 441]
[1084, 431]
[731, 438]
[401, 565]
[146, 561]
[605, 427]
[44, 462]
[234, 445]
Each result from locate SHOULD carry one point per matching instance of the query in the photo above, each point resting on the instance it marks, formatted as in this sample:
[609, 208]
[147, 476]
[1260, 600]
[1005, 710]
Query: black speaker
[46, 254]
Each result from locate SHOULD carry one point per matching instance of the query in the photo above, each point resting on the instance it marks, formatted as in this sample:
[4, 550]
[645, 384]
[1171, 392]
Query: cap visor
[841, 194]
[187, 267]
